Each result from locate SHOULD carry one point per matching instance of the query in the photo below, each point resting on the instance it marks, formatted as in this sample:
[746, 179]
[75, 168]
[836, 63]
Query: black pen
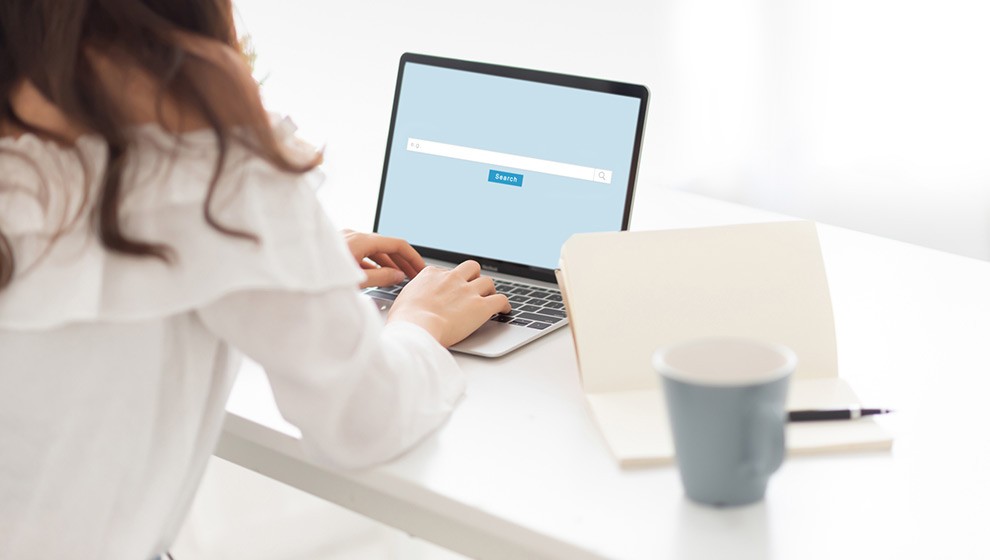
[834, 414]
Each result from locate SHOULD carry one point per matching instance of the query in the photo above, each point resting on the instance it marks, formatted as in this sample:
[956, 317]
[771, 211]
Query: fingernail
[399, 275]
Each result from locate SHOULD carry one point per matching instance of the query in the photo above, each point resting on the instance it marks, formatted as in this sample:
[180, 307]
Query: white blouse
[114, 370]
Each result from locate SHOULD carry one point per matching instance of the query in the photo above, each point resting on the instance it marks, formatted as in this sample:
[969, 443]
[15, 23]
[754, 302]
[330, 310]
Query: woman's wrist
[428, 321]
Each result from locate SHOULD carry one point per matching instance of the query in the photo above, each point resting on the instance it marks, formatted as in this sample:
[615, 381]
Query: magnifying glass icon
[601, 175]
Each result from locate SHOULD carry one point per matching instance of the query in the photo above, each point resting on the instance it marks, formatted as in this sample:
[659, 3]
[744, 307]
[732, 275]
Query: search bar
[500, 159]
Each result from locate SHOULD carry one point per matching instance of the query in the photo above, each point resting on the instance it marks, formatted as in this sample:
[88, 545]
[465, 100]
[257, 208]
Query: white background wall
[869, 114]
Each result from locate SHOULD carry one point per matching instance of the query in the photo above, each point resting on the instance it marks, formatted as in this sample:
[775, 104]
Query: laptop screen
[505, 168]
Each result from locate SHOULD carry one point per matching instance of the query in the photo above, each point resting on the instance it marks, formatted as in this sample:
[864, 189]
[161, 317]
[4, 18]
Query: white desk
[520, 470]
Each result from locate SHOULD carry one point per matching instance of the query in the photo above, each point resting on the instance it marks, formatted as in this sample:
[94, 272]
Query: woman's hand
[449, 304]
[385, 260]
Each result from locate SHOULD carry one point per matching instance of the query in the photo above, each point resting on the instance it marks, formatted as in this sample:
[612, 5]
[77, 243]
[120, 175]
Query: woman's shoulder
[292, 245]
[43, 183]
[171, 167]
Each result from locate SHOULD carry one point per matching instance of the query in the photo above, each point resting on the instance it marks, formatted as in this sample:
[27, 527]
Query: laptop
[502, 165]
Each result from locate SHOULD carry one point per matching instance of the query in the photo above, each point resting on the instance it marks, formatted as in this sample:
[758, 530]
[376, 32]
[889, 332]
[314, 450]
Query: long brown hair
[45, 42]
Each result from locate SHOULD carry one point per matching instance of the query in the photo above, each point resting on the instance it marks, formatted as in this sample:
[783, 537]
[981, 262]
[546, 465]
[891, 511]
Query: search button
[496, 176]
[602, 176]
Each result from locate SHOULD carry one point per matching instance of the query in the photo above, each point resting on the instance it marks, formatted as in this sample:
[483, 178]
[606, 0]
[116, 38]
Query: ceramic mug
[726, 400]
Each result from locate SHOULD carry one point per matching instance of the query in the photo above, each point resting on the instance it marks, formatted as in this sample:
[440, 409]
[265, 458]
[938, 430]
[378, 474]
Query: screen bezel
[592, 84]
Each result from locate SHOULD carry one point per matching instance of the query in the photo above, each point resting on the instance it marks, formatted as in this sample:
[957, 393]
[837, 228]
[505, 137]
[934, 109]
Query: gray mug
[726, 400]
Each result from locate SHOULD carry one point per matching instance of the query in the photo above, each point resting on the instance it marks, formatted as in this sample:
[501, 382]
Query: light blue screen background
[449, 204]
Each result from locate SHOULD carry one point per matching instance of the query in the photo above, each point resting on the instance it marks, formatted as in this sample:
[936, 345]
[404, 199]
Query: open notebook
[628, 293]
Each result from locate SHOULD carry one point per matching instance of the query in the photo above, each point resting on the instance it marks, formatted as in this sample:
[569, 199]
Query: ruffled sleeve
[75, 279]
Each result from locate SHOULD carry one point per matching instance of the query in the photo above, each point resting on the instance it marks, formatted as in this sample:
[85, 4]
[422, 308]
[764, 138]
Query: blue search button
[496, 176]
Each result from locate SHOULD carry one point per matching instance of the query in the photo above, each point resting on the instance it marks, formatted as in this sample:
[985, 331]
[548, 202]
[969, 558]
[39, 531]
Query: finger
[367, 264]
[484, 285]
[395, 246]
[396, 261]
[468, 270]
[498, 303]
[383, 277]
[383, 260]
[410, 255]
[405, 266]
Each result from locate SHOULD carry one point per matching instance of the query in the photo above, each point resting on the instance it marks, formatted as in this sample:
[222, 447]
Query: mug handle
[766, 453]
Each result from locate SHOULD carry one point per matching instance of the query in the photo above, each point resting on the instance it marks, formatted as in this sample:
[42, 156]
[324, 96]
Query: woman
[152, 224]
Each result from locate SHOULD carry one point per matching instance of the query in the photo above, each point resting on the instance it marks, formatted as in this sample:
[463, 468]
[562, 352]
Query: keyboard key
[537, 301]
[555, 305]
[538, 326]
[521, 291]
[518, 299]
[528, 308]
[520, 322]
[553, 312]
[538, 317]
[381, 295]
[539, 294]
[555, 297]
[501, 318]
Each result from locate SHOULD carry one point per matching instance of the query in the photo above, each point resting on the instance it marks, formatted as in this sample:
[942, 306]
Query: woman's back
[113, 387]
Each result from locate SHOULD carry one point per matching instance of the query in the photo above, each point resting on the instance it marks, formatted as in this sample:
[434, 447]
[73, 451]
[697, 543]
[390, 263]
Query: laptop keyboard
[534, 307]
